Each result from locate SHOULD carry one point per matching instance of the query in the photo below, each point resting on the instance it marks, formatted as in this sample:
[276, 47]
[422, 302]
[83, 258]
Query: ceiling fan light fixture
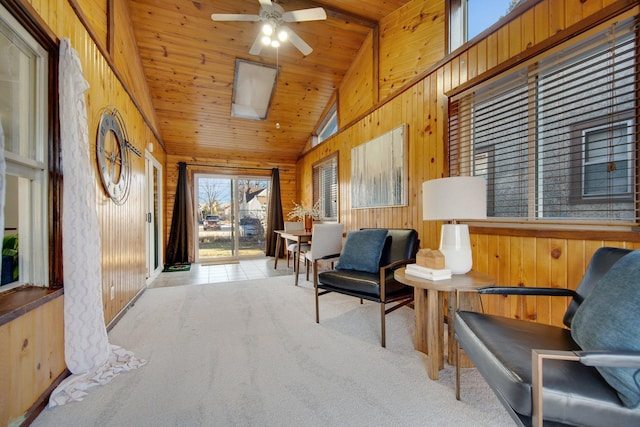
[272, 17]
[267, 29]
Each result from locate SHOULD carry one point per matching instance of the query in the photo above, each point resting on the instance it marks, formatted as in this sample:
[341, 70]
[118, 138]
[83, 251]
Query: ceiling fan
[273, 31]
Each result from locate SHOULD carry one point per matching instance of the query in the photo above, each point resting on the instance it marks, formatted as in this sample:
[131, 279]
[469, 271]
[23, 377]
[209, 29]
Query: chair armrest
[398, 264]
[612, 359]
[518, 290]
[392, 266]
[617, 359]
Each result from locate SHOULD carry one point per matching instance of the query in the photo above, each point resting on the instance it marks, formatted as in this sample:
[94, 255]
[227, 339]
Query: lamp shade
[454, 198]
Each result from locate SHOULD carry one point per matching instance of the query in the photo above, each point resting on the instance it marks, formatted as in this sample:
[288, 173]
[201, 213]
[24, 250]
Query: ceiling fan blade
[257, 45]
[234, 17]
[265, 3]
[298, 42]
[313, 14]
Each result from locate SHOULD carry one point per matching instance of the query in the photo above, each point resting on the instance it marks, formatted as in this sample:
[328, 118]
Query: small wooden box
[430, 259]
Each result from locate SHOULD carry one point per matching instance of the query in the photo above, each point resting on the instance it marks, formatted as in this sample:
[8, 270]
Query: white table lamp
[453, 199]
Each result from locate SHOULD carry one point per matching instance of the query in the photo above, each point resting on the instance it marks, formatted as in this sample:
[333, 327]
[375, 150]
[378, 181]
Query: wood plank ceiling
[189, 62]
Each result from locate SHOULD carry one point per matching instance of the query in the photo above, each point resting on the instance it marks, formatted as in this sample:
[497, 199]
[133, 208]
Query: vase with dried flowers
[306, 214]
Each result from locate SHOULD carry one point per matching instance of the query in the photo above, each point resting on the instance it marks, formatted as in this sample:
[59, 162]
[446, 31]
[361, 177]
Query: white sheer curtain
[88, 354]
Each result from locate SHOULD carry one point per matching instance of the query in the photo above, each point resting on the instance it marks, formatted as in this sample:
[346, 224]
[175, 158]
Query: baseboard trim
[39, 405]
[126, 308]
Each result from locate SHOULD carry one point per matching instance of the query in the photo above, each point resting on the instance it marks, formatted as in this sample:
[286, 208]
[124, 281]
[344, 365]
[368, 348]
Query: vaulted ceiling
[189, 63]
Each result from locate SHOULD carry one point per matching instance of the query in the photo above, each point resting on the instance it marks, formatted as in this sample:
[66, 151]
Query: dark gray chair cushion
[609, 319]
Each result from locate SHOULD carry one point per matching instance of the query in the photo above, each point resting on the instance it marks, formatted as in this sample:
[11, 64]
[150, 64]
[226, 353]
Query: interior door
[153, 175]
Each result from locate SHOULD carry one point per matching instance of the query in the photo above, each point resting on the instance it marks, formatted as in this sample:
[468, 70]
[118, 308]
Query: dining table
[300, 236]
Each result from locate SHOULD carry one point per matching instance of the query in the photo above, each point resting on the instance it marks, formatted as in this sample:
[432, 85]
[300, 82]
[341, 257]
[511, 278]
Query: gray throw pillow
[362, 249]
[609, 319]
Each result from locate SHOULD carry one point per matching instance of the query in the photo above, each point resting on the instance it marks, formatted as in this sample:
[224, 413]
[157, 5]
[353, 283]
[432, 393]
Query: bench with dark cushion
[365, 270]
[579, 387]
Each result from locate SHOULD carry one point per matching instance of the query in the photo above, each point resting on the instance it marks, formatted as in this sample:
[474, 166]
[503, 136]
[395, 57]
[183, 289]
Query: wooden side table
[429, 311]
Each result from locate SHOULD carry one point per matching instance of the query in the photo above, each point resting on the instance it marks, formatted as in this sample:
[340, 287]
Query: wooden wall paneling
[527, 20]
[573, 11]
[514, 44]
[128, 62]
[413, 35]
[502, 43]
[591, 7]
[417, 156]
[556, 16]
[577, 261]
[542, 29]
[493, 268]
[30, 352]
[558, 259]
[529, 277]
[543, 279]
[455, 71]
[492, 51]
[515, 267]
[358, 89]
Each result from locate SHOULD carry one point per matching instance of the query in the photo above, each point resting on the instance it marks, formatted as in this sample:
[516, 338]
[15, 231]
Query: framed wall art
[379, 171]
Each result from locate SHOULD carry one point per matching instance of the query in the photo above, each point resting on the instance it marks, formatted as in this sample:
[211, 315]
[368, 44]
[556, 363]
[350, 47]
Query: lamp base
[455, 245]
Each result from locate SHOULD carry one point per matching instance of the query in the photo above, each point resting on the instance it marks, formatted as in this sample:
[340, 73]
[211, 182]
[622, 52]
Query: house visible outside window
[606, 160]
[24, 115]
[325, 187]
[557, 138]
[328, 127]
[468, 18]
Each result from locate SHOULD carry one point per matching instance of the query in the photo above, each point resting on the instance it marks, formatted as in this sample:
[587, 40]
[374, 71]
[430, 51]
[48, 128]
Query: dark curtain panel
[275, 218]
[178, 246]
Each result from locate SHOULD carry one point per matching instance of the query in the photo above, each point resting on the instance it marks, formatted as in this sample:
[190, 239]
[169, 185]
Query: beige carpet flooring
[249, 353]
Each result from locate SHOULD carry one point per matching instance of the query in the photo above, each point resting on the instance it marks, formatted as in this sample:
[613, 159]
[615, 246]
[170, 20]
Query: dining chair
[326, 241]
[292, 245]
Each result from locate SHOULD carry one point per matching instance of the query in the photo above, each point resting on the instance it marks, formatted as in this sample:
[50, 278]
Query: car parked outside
[250, 227]
[211, 222]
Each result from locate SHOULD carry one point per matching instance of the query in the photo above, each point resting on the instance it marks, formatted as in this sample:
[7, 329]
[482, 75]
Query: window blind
[557, 138]
[325, 187]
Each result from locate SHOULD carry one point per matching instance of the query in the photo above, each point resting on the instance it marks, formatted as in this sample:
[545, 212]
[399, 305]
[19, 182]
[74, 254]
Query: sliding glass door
[230, 216]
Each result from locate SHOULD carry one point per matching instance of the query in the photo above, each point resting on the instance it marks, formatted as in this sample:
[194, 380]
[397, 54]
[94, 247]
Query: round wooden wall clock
[113, 156]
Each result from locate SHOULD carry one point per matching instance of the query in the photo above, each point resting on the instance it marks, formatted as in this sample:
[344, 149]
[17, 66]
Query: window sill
[570, 232]
[19, 301]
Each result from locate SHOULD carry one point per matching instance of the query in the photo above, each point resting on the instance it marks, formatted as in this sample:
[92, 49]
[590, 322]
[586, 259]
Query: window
[556, 139]
[325, 187]
[606, 167]
[23, 110]
[328, 127]
[468, 18]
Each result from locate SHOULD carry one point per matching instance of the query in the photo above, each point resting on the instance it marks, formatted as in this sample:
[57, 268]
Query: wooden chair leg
[317, 308]
[382, 325]
[306, 266]
[457, 371]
